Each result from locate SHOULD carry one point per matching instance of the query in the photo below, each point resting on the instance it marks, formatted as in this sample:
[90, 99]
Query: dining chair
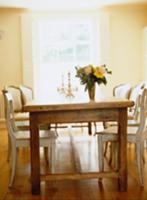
[126, 91]
[122, 90]
[133, 113]
[27, 96]
[22, 139]
[135, 134]
[134, 96]
[21, 118]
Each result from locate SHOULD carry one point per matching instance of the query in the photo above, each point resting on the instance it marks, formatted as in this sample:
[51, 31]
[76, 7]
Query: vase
[91, 93]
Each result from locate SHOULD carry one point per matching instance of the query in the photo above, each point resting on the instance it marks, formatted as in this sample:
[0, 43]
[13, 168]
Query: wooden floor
[75, 151]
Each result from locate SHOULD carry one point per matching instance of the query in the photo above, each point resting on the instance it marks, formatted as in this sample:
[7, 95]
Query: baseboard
[2, 123]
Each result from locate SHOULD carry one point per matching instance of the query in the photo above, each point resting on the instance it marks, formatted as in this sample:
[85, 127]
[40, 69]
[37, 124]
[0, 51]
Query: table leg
[90, 128]
[35, 159]
[122, 154]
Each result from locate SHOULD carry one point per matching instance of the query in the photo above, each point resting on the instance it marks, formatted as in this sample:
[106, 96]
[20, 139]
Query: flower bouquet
[89, 75]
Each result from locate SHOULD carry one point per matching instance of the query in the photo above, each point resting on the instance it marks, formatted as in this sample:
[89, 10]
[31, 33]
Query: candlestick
[69, 90]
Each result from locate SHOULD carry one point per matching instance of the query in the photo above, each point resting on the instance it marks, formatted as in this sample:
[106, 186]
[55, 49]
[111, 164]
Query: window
[61, 45]
[53, 44]
[65, 41]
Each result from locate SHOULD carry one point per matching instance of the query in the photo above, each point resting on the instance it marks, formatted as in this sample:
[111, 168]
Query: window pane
[49, 54]
[83, 52]
[66, 54]
[82, 32]
[65, 42]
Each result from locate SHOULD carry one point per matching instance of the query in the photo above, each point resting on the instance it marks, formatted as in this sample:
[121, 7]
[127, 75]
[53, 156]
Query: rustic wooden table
[105, 110]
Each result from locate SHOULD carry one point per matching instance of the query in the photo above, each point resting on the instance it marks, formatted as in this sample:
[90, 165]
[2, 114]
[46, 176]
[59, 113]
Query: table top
[39, 105]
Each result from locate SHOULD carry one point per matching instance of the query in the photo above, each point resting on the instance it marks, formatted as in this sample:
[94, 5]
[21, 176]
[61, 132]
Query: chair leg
[111, 153]
[143, 157]
[139, 162]
[9, 149]
[13, 164]
[95, 127]
[106, 147]
[100, 154]
[116, 155]
[46, 154]
[52, 155]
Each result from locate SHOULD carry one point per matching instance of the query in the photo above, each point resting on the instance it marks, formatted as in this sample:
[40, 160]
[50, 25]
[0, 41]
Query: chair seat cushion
[111, 133]
[21, 116]
[25, 135]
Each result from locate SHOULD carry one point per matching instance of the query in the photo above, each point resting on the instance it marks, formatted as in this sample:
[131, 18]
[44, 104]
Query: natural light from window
[62, 45]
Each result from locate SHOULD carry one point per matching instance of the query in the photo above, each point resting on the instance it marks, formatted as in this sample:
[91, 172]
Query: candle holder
[61, 89]
[68, 91]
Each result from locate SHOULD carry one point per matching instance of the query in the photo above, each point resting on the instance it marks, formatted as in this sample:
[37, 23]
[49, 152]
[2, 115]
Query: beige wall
[10, 48]
[126, 25]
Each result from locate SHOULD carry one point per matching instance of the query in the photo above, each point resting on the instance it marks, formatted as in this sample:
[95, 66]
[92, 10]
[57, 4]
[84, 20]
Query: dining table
[104, 110]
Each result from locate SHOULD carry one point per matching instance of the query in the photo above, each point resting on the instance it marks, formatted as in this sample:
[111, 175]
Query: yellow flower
[88, 69]
[98, 72]
[89, 75]
[102, 69]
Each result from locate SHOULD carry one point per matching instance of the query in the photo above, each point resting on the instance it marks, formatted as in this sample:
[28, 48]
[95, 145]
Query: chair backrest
[16, 97]
[122, 91]
[136, 108]
[135, 96]
[9, 113]
[135, 92]
[26, 94]
[143, 114]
